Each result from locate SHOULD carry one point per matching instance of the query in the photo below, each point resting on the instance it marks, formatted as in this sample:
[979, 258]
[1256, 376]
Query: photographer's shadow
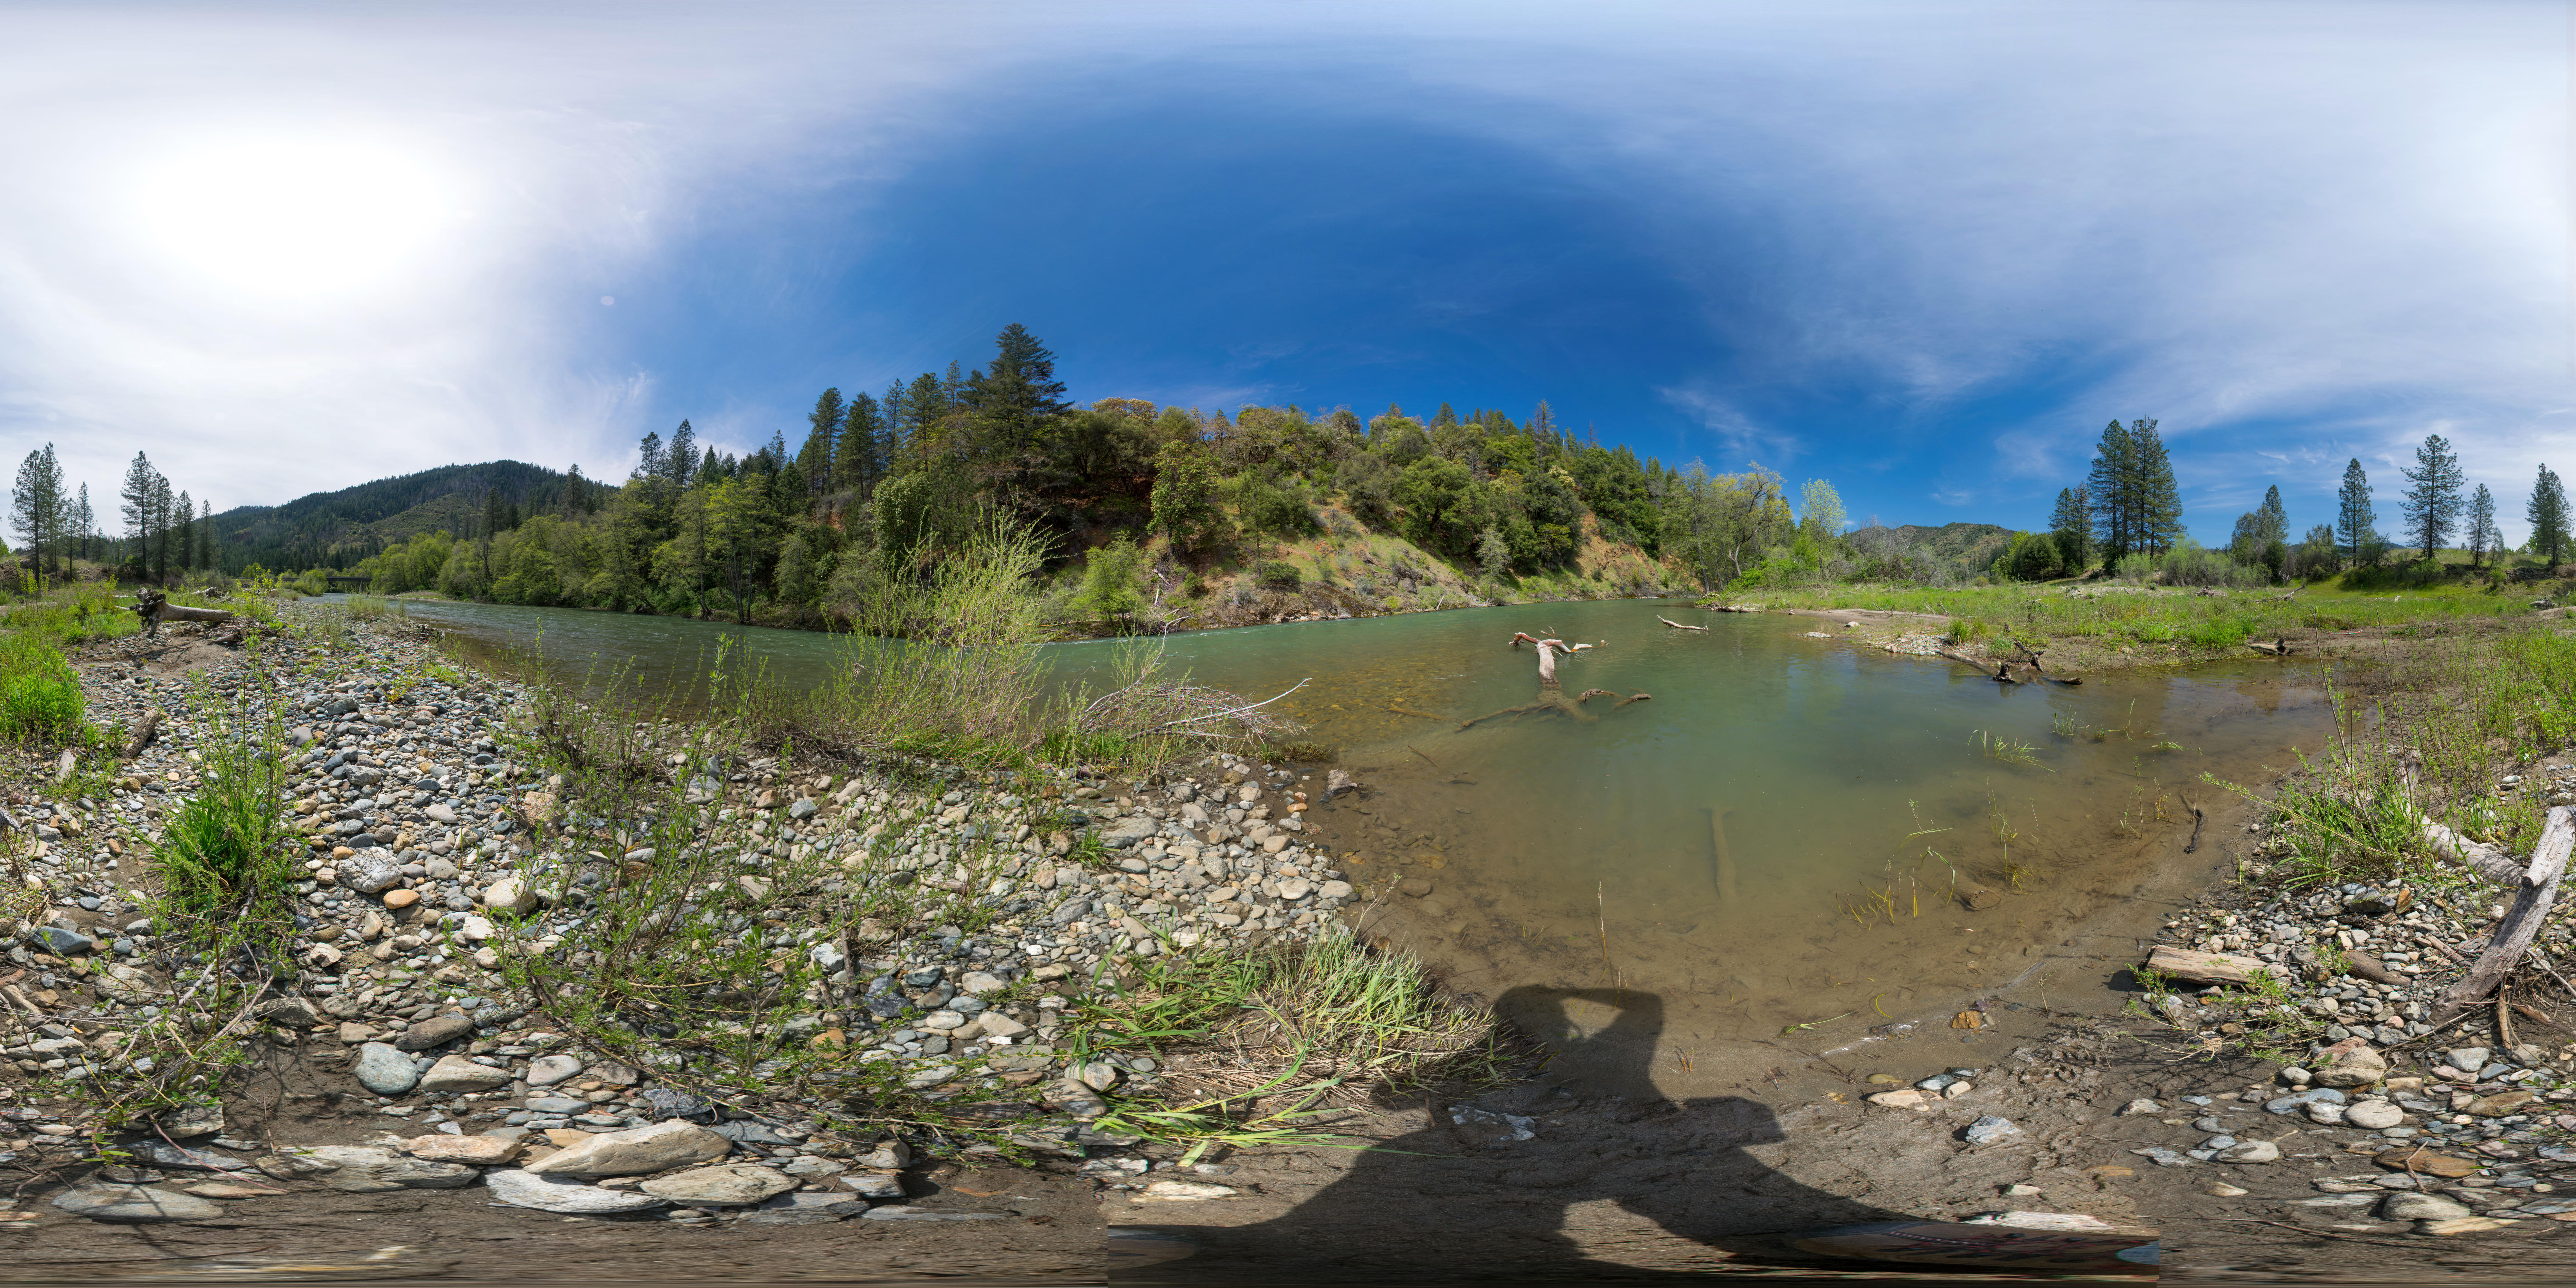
[1468, 1200]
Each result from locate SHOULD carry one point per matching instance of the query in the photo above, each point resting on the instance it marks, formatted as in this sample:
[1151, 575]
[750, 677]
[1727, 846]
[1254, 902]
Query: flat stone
[162, 1154]
[2297, 1100]
[1904, 1098]
[370, 1168]
[546, 1194]
[370, 871]
[458, 1073]
[68, 943]
[547, 1070]
[2374, 1115]
[384, 1070]
[401, 899]
[636, 1151]
[803, 807]
[902, 1212]
[2357, 1067]
[2252, 1151]
[2498, 1105]
[828, 1203]
[231, 1190]
[481, 1151]
[2326, 1112]
[1989, 1129]
[1183, 1192]
[2461, 1225]
[875, 1185]
[2422, 1207]
[293, 1012]
[2469, 1058]
[2425, 1163]
[441, 813]
[510, 894]
[557, 1105]
[2136, 1107]
[135, 1204]
[728, 1185]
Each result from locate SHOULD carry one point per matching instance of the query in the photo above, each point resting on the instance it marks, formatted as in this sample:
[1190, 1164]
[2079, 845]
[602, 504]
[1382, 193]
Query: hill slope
[353, 522]
[1971, 545]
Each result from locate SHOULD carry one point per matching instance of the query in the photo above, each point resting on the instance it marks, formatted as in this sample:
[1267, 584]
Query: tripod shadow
[1465, 1200]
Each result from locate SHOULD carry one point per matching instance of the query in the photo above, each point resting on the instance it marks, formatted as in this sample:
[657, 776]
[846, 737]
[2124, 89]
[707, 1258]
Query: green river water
[1784, 833]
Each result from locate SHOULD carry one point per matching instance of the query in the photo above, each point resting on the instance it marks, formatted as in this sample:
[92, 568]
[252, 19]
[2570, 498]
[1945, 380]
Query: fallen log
[143, 732]
[2512, 936]
[2279, 647]
[2201, 967]
[1679, 627]
[2486, 860]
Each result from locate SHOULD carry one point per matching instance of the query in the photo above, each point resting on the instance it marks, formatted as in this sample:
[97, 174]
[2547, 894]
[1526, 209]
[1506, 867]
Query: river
[1791, 831]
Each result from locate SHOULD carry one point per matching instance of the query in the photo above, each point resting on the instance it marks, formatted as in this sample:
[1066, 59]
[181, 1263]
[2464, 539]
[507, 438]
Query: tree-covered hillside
[340, 529]
[1155, 504]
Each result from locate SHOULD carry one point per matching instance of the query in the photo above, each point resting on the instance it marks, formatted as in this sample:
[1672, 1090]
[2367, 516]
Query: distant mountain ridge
[339, 528]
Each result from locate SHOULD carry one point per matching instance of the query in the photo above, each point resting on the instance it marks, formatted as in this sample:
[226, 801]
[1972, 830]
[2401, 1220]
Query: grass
[40, 694]
[227, 851]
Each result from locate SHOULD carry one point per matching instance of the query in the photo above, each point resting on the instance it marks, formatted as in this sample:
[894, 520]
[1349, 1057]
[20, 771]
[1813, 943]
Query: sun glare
[293, 220]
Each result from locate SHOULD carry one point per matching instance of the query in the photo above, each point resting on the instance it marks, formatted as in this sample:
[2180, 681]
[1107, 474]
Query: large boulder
[657, 1148]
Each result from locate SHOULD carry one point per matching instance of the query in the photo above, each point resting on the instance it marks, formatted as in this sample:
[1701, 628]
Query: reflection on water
[1792, 831]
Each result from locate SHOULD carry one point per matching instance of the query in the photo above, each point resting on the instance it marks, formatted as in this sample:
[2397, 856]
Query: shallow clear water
[1788, 830]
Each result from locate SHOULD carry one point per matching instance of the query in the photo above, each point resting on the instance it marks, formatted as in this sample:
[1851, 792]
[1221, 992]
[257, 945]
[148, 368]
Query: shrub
[40, 696]
[1278, 574]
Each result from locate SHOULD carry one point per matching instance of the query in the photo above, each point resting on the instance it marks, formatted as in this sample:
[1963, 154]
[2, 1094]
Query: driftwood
[2205, 968]
[1633, 697]
[155, 609]
[1551, 696]
[2512, 936]
[2279, 647]
[1678, 626]
[2486, 860]
[143, 732]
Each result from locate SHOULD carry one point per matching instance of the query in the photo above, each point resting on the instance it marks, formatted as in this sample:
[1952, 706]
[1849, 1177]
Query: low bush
[1278, 574]
[40, 694]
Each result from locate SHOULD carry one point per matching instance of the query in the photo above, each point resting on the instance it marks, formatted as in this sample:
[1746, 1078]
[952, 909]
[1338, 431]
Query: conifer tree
[2071, 526]
[683, 456]
[206, 556]
[2159, 501]
[652, 462]
[37, 506]
[84, 526]
[861, 459]
[2274, 518]
[2547, 513]
[2355, 517]
[183, 523]
[2111, 493]
[822, 441]
[2483, 537]
[2433, 500]
[140, 516]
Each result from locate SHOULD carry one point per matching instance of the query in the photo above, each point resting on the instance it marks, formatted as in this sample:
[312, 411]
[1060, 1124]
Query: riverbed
[1797, 839]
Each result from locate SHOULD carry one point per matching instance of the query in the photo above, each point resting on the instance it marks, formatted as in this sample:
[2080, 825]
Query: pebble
[1989, 1129]
[2252, 1151]
[2422, 1207]
[2374, 1115]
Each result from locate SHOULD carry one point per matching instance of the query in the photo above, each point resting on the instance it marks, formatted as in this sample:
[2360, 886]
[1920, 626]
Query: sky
[1922, 250]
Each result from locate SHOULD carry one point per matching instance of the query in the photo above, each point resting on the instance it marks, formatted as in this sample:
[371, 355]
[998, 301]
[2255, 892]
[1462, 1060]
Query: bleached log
[2486, 860]
[1679, 627]
[2513, 935]
[2201, 967]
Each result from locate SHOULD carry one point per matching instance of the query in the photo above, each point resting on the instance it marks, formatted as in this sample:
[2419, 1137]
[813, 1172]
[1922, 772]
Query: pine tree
[822, 440]
[1013, 396]
[136, 506]
[2159, 501]
[2548, 515]
[2110, 491]
[861, 460]
[2275, 519]
[84, 526]
[36, 506]
[653, 462]
[896, 409]
[684, 456]
[929, 403]
[2355, 517]
[2483, 537]
[2071, 526]
[2433, 502]
[183, 526]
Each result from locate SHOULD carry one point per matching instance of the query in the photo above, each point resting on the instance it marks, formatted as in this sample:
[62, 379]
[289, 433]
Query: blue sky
[1922, 250]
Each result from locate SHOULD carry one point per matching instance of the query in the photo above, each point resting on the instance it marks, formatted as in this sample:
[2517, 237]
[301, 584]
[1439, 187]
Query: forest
[1136, 497]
